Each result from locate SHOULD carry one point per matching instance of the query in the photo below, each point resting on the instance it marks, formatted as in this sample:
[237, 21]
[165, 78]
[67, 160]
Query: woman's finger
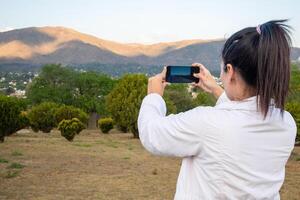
[164, 73]
[196, 65]
[197, 75]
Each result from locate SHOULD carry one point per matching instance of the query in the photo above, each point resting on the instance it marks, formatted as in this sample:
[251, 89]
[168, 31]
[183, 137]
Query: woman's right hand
[206, 81]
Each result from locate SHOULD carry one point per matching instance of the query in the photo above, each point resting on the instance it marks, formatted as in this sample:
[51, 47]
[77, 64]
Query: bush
[41, 117]
[24, 121]
[11, 117]
[105, 124]
[294, 109]
[70, 112]
[124, 101]
[204, 99]
[124, 129]
[69, 128]
[180, 97]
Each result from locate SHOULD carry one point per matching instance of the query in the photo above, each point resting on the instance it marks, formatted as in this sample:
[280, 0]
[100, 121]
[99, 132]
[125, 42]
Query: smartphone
[182, 74]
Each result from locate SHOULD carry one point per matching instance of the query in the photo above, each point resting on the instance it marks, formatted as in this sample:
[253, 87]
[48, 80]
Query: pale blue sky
[150, 21]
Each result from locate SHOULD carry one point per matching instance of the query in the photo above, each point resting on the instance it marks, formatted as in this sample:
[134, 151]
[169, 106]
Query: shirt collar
[245, 104]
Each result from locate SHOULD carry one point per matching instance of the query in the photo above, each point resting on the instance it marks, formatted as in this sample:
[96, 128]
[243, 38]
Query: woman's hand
[157, 83]
[206, 81]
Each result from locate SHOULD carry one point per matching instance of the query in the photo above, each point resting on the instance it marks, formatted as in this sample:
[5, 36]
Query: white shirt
[228, 151]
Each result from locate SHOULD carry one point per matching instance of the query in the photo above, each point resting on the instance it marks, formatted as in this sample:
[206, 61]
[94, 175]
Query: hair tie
[258, 29]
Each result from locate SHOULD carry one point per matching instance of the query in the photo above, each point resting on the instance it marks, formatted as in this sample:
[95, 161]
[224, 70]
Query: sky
[150, 21]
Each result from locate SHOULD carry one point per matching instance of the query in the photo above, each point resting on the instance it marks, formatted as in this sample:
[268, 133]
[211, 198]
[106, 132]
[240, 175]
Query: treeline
[62, 93]
[70, 100]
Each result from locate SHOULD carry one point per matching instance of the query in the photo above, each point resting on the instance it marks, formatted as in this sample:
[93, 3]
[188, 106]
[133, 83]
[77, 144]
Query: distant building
[18, 94]
[12, 83]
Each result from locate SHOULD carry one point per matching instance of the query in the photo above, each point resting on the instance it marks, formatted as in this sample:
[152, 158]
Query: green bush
[105, 124]
[69, 128]
[204, 99]
[294, 109]
[70, 112]
[124, 101]
[179, 95]
[41, 117]
[124, 129]
[24, 121]
[11, 116]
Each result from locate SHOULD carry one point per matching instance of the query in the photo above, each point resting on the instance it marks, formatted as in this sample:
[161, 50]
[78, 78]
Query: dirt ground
[96, 166]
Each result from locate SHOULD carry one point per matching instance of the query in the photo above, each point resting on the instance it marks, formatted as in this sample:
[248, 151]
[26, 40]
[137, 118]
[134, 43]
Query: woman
[237, 149]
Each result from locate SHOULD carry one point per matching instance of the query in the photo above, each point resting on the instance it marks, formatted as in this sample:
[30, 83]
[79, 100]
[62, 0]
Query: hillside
[36, 46]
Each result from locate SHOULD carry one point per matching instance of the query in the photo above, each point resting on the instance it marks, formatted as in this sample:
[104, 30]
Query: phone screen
[181, 74]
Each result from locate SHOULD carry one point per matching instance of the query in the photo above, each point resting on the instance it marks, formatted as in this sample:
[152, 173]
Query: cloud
[6, 29]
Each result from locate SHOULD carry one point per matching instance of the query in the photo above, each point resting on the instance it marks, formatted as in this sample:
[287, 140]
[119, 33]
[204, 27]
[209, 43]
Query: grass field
[96, 166]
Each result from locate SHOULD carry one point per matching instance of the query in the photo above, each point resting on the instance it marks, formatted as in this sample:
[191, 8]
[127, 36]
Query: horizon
[141, 22]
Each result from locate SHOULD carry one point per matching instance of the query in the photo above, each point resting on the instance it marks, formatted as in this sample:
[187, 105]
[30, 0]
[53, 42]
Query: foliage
[42, 117]
[124, 101]
[204, 99]
[69, 128]
[293, 104]
[63, 85]
[180, 96]
[54, 84]
[24, 120]
[11, 116]
[69, 112]
[92, 88]
[105, 124]
[294, 87]
[179, 99]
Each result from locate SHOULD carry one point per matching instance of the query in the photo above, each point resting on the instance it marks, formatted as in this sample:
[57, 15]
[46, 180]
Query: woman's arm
[179, 135]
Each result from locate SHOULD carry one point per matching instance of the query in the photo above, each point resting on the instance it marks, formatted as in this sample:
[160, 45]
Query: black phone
[182, 74]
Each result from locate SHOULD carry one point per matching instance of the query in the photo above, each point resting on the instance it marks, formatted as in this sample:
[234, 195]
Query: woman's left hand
[157, 83]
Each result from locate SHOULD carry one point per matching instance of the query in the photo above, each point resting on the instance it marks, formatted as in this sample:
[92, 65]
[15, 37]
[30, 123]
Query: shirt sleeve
[173, 135]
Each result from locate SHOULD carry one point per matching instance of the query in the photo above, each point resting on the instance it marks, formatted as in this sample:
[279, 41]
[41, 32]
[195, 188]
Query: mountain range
[36, 46]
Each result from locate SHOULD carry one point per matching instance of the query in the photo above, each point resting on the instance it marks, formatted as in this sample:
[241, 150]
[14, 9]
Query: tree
[124, 101]
[91, 89]
[11, 116]
[54, 84]
[63, 85]
[294, 86]
[180, 96]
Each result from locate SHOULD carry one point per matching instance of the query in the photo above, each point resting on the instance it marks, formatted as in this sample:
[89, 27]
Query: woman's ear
[230, 72]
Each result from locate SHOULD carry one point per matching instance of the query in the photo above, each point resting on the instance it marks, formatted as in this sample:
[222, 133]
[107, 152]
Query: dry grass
[95, 166]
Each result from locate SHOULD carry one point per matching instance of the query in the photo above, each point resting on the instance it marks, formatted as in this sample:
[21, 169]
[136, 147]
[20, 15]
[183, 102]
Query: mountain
[36, 46]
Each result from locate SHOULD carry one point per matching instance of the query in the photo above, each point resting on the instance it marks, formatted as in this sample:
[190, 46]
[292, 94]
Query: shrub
[294, 109]
[10, 115]
[124, 129]
[24, 121]
[124, 101]
[179, 96]
[70, 112]
[41, 117]
[105, 124]
[69, 128]
[204, 99]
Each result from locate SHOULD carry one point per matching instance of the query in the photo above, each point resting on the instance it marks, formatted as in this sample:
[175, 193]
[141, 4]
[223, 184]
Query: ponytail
[273, 65]
[262, 56]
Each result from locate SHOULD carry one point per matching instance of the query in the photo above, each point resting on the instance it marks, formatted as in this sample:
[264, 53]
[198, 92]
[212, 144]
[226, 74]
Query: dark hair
[262, 57]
